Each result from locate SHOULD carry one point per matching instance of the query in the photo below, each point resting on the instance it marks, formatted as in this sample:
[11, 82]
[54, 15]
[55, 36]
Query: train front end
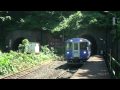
[77, 51]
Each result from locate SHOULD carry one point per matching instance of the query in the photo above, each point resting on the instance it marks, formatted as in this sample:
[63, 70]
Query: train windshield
[75, 46]
[69, 46]
[83, 45]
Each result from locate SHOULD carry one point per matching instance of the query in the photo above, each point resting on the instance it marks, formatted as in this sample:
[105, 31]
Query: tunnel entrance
[93, 43]
[16, 43]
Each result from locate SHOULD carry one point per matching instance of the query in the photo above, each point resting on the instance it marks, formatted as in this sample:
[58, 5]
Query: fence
[113, 67]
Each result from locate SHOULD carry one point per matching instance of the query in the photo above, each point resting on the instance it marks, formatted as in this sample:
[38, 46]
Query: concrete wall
[37, 36]
[33, 36]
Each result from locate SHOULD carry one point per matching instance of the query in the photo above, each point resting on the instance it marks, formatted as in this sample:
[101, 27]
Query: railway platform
[94, 68]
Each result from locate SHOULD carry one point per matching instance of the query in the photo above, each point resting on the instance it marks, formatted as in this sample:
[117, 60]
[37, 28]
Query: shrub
[23, 47]
[16, 61]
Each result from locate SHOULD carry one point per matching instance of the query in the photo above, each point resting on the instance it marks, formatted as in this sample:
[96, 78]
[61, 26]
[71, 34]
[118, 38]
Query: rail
[24, 72]
[113, 67]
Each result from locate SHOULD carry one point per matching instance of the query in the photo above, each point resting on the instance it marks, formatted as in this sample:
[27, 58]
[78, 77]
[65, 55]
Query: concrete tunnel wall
[33, 36]
[96, 36]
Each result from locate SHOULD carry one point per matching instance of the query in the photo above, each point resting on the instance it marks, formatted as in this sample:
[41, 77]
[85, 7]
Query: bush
[23, 47]
[16, 61]
[50, 53]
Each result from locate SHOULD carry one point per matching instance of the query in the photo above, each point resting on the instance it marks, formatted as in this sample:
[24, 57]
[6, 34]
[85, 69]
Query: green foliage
[23, 47]
[25, 42]
[5, 66]
[14, 62]
[80, 20]
[54, 20]
[74, 18]
[46, 51]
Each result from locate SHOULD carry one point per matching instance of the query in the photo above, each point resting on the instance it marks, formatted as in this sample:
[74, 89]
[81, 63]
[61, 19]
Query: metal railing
[113, 67]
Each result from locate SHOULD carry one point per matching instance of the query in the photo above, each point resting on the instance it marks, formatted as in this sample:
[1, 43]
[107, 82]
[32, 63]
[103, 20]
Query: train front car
[77, 50]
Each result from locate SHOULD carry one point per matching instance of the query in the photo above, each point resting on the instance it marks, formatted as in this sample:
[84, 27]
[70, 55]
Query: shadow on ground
[94, 68]
[70, 69]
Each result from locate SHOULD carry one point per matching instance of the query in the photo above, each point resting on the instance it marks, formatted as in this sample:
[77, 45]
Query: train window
[83, 45]
[67, 46]
[75, 46]
[70, 45]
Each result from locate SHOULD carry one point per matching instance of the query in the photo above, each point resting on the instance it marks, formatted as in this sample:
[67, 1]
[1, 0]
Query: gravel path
[94, 68]
[55, 70]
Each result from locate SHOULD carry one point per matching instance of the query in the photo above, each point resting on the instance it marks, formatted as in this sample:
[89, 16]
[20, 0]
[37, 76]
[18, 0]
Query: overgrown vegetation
[14, 62]
[23, 47]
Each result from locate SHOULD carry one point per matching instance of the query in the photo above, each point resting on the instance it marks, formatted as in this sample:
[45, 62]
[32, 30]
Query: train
[77, 51]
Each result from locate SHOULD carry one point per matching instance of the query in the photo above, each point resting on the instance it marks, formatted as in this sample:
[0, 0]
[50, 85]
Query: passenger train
[77, 50]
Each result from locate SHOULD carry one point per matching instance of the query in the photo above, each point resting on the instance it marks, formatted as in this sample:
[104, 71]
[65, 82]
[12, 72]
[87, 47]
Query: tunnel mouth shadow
[93, 43]
[16, 43]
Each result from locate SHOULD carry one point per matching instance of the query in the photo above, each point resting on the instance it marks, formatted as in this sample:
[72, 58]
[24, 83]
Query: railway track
[60, 76]
[67, 74]
[25, 72]
[52, 70]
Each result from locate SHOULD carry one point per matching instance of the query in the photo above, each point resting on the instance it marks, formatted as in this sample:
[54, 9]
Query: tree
[54, 21]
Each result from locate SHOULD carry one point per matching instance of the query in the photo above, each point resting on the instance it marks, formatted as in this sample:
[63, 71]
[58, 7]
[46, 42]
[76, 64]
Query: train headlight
[89, 43]
[71, 40]
[84, 52]
[68, 52]
[81, 40]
